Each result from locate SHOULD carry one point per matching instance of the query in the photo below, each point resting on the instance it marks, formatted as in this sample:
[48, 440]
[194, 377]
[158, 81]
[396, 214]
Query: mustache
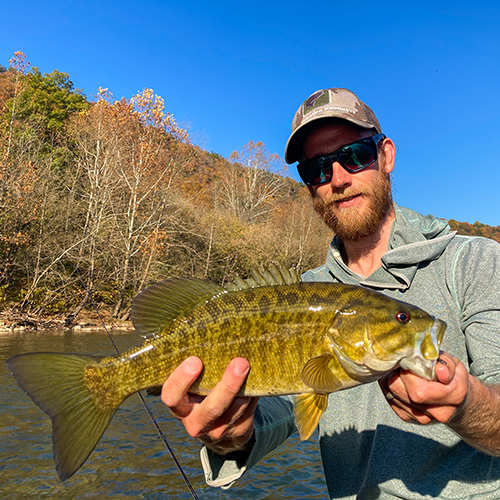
[335, 197]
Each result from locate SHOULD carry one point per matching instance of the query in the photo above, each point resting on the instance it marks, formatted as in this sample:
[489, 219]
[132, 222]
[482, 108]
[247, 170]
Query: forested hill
[476, 229]
[107, 196]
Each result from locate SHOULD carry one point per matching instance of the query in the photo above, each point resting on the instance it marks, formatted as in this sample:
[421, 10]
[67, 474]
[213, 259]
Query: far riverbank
[87, 321]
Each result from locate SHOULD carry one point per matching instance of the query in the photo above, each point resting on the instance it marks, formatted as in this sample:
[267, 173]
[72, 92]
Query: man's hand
[469, 407]
[222, 421]
[415, 399]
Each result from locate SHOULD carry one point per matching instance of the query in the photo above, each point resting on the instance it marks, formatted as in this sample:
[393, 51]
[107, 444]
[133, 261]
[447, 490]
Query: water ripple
[129, 461]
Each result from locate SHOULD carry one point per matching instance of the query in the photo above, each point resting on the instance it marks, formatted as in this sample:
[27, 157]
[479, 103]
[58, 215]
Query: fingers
[411, 414]
[175, 390]
[400, 401]
[221, 408]
[224, 438]
[232, 381]
[398, 398]
[414, 399]
[449, 389]
[222, 420]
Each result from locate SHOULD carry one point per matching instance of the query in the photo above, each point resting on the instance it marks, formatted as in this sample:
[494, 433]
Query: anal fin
[307, 410]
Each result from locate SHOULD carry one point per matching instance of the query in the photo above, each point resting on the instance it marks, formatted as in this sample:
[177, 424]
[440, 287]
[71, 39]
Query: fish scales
[276, 328]
[308, 339]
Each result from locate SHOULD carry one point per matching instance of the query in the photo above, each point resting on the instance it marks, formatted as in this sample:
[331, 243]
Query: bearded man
[368, 447]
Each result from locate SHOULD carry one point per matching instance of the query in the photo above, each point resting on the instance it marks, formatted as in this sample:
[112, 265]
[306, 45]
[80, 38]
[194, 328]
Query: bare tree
[147, 167]
[18, 66]
[96, 142]
[252, 182]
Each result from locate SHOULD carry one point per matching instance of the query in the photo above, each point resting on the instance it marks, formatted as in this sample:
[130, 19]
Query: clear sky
[237, 71]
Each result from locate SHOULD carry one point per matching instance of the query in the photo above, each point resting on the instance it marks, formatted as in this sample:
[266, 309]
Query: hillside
[101, 197]
[108, 196]
[476, 229]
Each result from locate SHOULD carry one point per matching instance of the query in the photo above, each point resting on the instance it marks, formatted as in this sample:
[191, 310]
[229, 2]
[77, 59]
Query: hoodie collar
[414, 239]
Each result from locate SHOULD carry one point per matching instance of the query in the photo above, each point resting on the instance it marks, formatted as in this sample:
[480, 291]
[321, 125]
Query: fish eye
[403, 317]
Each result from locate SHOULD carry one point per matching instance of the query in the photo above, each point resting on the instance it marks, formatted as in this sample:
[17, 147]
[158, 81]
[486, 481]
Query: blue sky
[237, 71]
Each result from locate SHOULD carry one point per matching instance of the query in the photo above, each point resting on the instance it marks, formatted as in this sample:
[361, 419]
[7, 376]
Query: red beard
[348, 223]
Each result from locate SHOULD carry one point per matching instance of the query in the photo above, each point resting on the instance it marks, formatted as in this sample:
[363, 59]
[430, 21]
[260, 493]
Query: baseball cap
[328, 103]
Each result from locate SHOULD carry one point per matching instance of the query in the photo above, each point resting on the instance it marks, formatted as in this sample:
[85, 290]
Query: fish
[307, 339]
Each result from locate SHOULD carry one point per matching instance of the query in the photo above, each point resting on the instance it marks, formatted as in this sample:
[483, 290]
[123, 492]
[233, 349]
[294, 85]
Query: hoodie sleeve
[475, 283]
[274, 423]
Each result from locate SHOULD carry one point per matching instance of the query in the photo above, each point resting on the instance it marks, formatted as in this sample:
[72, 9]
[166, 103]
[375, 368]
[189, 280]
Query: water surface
[129, 460]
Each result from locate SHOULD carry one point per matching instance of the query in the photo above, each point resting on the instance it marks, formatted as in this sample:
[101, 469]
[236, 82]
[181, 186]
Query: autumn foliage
[476, 229]
[101, 197]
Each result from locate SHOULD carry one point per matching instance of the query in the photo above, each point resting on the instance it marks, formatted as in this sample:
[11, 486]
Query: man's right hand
[222, 421]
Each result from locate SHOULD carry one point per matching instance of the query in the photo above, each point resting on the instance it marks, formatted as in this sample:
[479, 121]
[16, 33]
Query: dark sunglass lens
[316, 171]
[357, 155]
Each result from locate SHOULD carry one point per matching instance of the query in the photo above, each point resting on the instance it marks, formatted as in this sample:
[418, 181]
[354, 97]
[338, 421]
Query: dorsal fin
[269, 277]
[157, 306]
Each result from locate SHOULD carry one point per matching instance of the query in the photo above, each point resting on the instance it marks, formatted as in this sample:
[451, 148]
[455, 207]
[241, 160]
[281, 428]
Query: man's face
[353, 205]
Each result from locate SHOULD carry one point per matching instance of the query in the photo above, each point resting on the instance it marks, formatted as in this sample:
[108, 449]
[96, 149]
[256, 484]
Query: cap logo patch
[317, 100]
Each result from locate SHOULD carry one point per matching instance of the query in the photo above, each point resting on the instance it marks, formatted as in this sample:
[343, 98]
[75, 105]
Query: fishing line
[146, 407]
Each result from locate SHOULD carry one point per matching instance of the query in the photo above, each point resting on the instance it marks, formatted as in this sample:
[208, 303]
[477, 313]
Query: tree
[300, 237]
[50, 99]
[95, 143]
[146, 170]
[18, 174]
[252, 182]
[18, 68]
[130, 152]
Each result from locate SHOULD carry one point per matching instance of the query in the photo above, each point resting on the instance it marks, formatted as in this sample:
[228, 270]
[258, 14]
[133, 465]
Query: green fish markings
[304, 338]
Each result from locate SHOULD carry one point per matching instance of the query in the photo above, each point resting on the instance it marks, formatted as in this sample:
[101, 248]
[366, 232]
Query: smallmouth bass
[304, 338]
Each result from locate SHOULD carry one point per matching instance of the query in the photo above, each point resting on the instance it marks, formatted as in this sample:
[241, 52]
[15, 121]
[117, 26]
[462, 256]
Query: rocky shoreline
[87, 321]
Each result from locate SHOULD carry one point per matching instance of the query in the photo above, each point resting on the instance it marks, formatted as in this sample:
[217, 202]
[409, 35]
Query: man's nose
[340, 176]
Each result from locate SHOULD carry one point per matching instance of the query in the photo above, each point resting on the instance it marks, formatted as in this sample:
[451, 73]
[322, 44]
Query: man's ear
[388, 150]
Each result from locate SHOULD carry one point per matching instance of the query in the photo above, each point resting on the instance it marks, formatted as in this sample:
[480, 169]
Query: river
[130, 461]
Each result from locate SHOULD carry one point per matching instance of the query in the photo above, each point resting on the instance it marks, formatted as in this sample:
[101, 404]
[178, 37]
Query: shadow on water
[130, 460]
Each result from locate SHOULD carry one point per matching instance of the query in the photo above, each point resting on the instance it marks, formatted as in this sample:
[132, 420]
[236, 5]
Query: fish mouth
[422, 361]
[438, 328]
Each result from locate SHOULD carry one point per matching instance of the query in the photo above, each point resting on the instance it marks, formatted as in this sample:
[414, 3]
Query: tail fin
[56, 383]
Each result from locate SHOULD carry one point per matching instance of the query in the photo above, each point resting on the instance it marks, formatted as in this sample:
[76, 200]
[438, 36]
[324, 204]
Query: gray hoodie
[367, 451]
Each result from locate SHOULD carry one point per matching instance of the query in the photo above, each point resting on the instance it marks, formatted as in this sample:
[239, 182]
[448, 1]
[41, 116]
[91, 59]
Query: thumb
[445, 368]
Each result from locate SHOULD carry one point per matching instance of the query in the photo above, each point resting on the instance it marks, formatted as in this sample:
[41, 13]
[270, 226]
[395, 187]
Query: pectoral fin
[308, 410]
[317, 375]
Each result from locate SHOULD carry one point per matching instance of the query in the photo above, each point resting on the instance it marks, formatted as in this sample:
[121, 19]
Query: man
[369, 449]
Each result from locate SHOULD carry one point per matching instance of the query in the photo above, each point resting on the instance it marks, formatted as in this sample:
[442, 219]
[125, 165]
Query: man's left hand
[415, 399]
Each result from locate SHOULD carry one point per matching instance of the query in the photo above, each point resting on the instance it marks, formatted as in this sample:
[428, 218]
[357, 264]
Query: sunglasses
[353, 157]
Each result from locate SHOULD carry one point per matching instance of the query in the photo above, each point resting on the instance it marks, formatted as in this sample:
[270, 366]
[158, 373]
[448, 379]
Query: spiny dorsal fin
[269, 277]
[157, 306]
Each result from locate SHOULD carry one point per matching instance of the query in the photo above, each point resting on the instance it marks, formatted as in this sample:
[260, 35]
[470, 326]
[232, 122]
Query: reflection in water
[129, 460]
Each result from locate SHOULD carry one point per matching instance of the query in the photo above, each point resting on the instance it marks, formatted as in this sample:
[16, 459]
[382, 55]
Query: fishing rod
[161, 435]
